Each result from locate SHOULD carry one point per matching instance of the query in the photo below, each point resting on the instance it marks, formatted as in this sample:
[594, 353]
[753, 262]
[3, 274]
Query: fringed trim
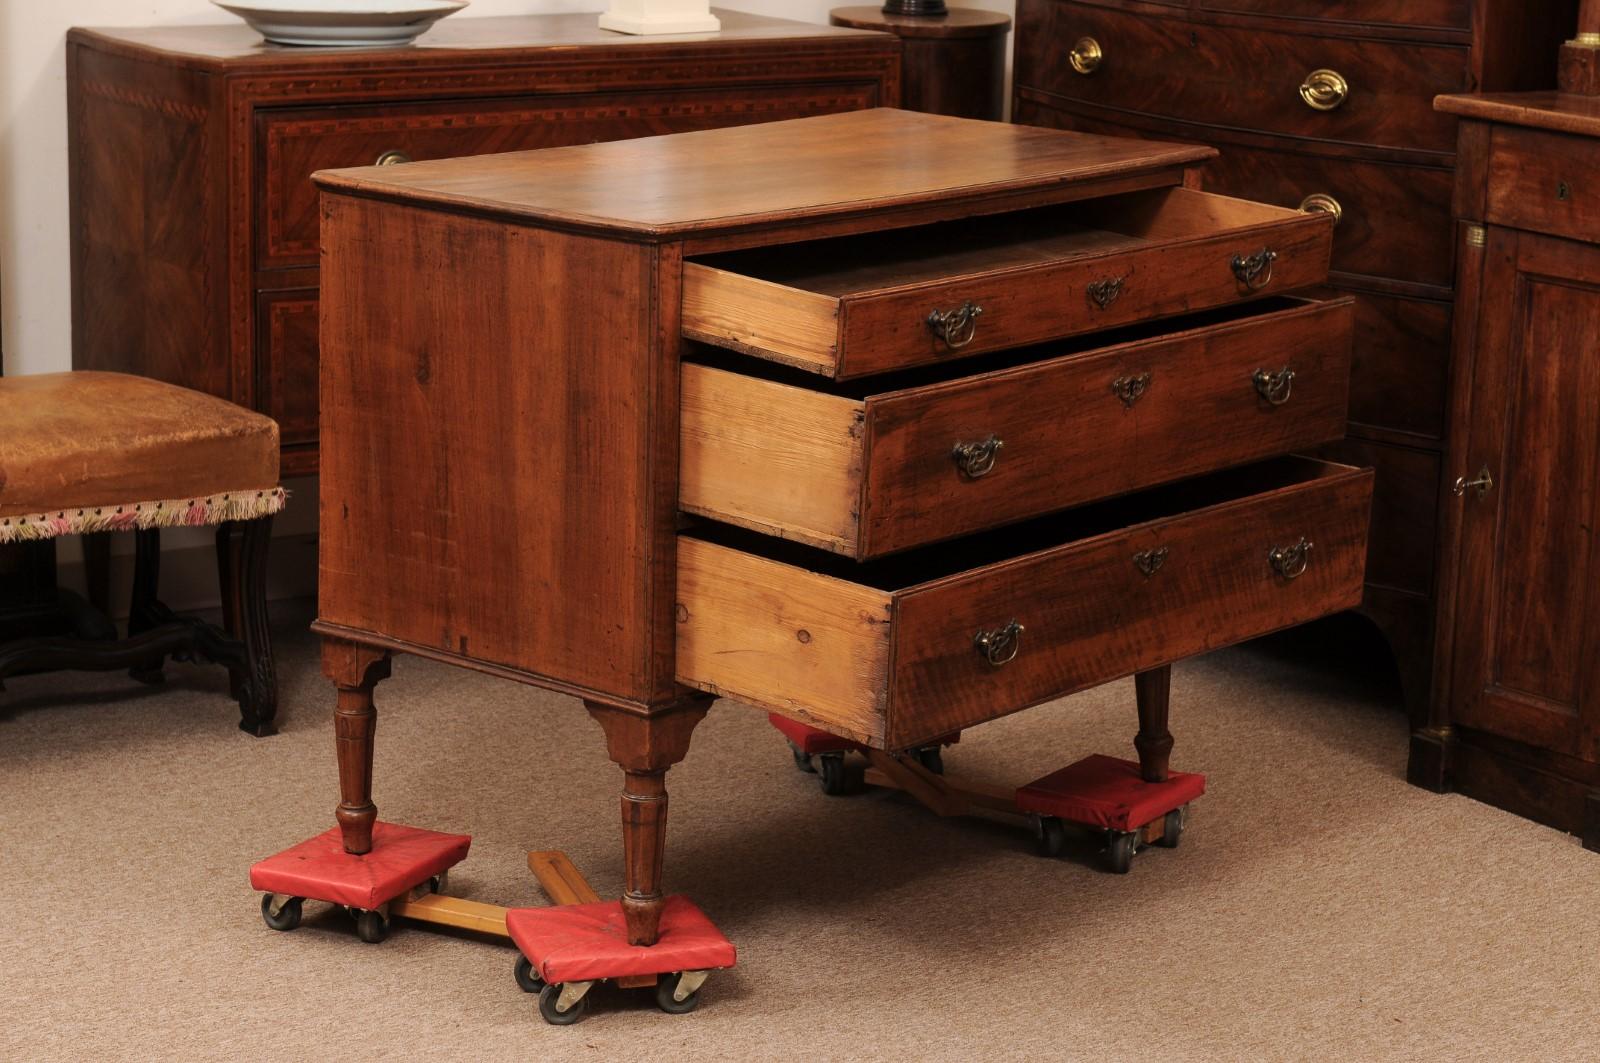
[170, 513]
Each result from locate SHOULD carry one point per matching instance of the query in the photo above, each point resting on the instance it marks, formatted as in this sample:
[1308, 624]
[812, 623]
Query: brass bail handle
[1483, 483]
[999, 646]
[1255, 271]
[976, 460]
[956, 327]
[1274, 387]
[1086, 56]
[1289, 561]
[1324, 90]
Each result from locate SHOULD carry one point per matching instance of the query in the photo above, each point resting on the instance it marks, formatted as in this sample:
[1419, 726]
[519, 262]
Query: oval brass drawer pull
[1086, 56]
[1130, 389]
[1149, 562]
[1324, 90]
[391, 157]
[1104, 292]
[1255, 271]
[977, 459]
[1289, 561]
[1322, 203]
[999, 646]
[956, 327]
[1274, 387]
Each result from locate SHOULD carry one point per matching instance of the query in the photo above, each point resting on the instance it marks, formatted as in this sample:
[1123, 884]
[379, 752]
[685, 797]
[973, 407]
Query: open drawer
[868, 469]
[897, 652]
[855, 305]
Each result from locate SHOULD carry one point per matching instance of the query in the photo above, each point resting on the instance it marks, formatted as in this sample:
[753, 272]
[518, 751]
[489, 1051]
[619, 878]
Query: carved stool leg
[1154, 741]
[645, 747]
[242, 573]
[97, 570]
[144, 608]
[355, 670]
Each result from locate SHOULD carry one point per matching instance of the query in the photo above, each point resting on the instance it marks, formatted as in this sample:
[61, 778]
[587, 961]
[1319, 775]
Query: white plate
[347, 23]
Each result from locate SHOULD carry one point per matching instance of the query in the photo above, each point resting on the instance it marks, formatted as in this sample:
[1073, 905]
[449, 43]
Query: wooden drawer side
[783, 638]
[758, 317]
[778, 459]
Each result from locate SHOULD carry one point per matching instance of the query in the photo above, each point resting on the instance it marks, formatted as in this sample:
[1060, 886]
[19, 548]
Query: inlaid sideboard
[1325, 105]
[194, 220]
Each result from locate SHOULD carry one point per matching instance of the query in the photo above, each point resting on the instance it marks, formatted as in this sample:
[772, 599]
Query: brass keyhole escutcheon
[977, 459]
[1483, 483]
[1149, 562]
[1563, 191]
[1131, 388]
[1103, 293]
[1001, 645]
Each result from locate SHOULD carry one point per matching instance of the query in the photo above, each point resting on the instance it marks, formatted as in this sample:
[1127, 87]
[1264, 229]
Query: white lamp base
[660, 16]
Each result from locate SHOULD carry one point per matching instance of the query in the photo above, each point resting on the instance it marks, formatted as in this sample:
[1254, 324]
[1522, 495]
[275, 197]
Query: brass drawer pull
[1289, 561]
[1149, 562]
[1255, 271]
[1483, 483]
[1086, 56]
[1103, 293]
[1324, 90]
[391, 157]
[1274, 387]
[1322, 203]
[999, 646]
[1130, 389]
[956, 327]
[977, 459]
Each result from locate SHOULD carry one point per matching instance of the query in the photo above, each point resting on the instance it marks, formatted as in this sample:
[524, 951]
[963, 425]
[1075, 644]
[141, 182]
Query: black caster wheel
[547, 1006]
[371, 927]
[1050, 835]
[665, 987]
[150, 674]
[802, 760]
[288, 916]
[932, 758]
[1121, 851]
[527, 980]
[1172, 829]
[835, 779]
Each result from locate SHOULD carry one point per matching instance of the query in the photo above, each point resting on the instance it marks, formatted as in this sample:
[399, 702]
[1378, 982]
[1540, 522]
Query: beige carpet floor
[1319, 908]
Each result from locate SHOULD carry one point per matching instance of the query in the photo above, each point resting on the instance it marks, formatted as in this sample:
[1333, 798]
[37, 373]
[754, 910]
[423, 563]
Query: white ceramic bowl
[347, 23]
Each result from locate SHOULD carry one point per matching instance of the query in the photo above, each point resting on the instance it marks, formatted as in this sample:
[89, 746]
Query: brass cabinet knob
[1322, 203]
[1324, 90]
[1086, 56]
[391, 157]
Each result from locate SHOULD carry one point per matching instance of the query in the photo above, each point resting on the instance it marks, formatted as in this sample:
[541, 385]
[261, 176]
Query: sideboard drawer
[898, 652]
[853, 306]
[1382, 95]
[867, 475]
[1544, 182]
[1455, 14]
[294, 143]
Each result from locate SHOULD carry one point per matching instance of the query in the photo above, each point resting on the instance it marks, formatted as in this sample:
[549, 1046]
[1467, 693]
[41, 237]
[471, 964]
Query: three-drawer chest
[194, 220]
[1324, 105]
[888, 422]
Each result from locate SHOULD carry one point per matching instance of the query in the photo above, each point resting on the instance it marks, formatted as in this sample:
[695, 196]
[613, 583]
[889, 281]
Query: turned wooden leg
[97, 570]
[645, 747]
[1154, 741]
[144, 606]
[355, 670]
[242, 575]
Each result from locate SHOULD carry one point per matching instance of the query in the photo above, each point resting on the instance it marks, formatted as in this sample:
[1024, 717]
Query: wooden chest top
[808, 170]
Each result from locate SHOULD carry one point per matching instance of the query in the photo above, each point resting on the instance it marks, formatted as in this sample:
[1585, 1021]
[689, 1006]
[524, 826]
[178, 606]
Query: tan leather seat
[91, 451]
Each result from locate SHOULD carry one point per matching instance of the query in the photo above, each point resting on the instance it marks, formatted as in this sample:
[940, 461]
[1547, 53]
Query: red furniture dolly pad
[1108, 792]
[320, 869]
[584, 942]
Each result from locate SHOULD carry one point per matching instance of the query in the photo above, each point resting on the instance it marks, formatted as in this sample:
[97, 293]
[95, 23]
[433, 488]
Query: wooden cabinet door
[1527, 649]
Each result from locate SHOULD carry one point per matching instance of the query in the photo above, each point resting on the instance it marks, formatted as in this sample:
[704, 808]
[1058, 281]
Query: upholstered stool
[87, 452]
